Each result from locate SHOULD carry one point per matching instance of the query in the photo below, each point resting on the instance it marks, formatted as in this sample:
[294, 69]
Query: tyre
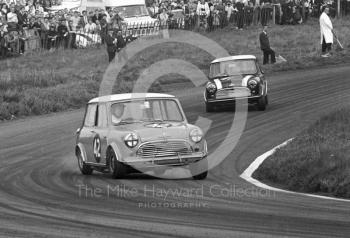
[262, 103]
[199, 170]
[116, 168]
[209, 107]
[84, 168]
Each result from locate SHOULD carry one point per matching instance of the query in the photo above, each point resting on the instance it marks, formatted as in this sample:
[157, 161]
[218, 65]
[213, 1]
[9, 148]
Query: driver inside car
[117, 113]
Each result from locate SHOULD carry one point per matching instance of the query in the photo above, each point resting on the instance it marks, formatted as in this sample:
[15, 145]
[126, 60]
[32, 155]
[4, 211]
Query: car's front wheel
[209, 107]
[262, 103]
[199, 170]
[117, 169]
[84, 168]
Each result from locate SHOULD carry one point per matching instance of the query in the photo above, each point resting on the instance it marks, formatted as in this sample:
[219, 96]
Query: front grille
[164, 148]
[237, 92]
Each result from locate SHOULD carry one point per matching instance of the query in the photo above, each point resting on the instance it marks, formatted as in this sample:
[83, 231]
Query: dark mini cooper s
[233, 78]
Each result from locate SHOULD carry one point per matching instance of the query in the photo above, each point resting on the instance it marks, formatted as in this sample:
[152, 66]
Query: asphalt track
[39, 177]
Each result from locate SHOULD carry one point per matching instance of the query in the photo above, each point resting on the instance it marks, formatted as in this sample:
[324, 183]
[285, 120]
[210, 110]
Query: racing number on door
[97, 148]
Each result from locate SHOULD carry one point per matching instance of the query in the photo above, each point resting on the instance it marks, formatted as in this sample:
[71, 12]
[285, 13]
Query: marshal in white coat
[326, 28]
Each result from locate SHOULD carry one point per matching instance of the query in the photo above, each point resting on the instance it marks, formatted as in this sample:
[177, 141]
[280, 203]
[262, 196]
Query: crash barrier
[19, 41]
[26, 40]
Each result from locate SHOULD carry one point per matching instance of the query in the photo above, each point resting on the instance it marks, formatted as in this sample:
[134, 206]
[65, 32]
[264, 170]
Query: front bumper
[180, 160]
[244, 94]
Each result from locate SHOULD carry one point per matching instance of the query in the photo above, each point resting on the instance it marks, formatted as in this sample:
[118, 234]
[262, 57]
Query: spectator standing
[21, 17]
[3, 48]
[256, 14]
[51, 37]
[154, 10]
[240, 14]
[326, 29]
[111, 45]
[163, 18]
[12, 19]
[62, 31]
[75, 20]
[265, 47]
[84, 19]
[45, 26]
[203, 12]
[104, 27]
[248, 13]
[216, 18]
[90, 27]
[72, 35]
[229, 12]
[121, 43]
[4, 10]
[39, 7]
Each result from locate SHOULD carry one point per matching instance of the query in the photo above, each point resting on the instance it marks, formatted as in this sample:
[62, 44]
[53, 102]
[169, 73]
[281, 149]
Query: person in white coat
[326, 28]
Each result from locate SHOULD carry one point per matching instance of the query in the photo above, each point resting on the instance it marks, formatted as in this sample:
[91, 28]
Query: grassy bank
[47, 82]
[316, 161]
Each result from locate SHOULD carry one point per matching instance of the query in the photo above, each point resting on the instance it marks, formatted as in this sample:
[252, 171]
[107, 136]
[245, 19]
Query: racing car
[233, 78]
[127, 133]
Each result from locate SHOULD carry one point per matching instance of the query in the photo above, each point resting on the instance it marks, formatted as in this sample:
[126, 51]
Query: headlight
[131, 140]
[252, 83]
[211, 88]
[196, 135]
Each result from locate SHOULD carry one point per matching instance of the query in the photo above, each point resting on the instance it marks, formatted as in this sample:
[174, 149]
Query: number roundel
[97, 148]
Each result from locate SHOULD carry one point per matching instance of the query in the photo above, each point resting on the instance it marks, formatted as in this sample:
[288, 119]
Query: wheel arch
[80, 148]
[113, 146]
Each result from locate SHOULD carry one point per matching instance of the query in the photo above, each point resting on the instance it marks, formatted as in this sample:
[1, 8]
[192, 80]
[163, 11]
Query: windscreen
[132, 11]
[155, 110]
[232, 67]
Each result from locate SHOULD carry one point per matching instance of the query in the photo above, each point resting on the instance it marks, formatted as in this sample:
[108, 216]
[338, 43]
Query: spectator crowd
[214, 14]
[21, 21]
[31, 25]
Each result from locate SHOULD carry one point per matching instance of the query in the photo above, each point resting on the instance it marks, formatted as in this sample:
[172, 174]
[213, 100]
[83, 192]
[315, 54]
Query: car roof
[126, 96]
[235, 57]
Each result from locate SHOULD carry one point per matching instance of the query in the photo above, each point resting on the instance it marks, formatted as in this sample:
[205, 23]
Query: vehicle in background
[136, 17]
[233, 78]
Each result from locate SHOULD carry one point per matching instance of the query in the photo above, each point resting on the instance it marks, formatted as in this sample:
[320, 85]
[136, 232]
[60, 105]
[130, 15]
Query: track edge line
[248, 172]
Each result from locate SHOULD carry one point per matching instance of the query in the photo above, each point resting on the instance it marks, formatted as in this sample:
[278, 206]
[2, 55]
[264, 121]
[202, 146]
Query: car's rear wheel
[263, 101]
[117, 169]
[209, 107]
[199, 170]
[84, 168]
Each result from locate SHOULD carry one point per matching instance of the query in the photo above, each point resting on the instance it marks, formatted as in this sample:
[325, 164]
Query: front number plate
[236, 93]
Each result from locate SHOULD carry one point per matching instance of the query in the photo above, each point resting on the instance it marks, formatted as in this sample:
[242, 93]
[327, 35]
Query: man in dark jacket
[111, 43]
[63, 35]
[265, 47]
[121, 43]
[22, 17]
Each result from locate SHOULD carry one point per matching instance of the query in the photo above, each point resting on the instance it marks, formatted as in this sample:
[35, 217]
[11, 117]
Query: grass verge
[45, 82]
[316, 161]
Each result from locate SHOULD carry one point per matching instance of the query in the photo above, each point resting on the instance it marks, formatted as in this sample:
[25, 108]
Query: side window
[102, 115]
[258, 67]
[90, 117]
